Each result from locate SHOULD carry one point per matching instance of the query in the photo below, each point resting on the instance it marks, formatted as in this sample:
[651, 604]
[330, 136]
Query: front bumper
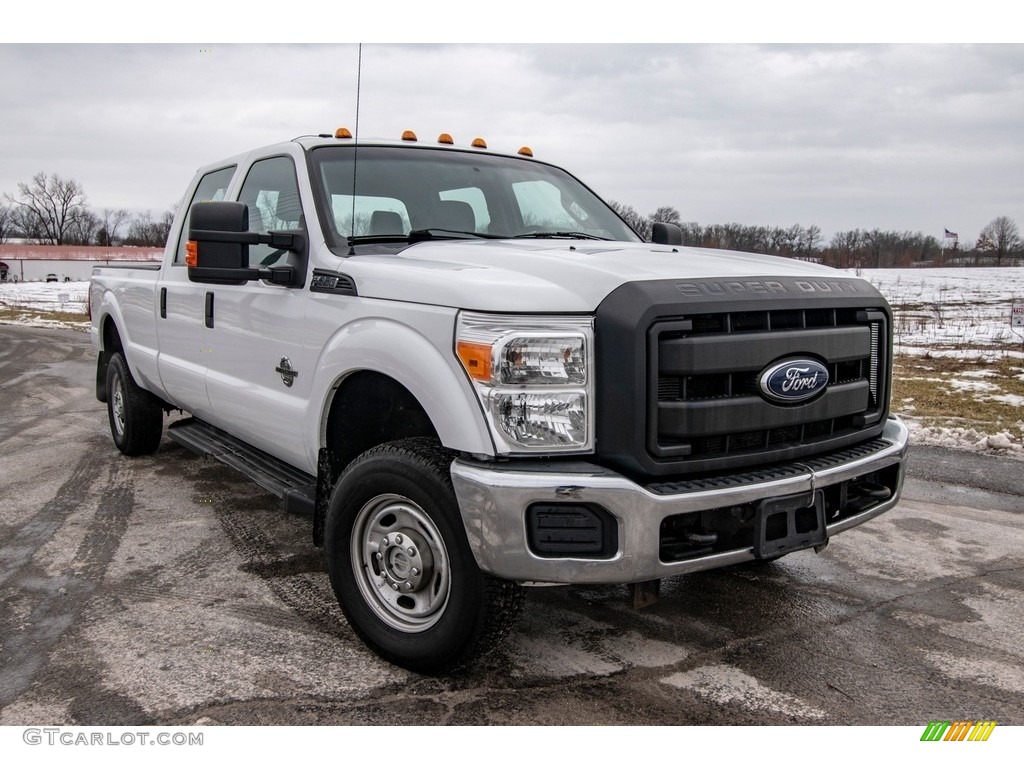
[494, 498]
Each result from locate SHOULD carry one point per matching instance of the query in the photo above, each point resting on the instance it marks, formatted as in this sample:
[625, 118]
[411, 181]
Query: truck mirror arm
[275, 275]
[288, 241]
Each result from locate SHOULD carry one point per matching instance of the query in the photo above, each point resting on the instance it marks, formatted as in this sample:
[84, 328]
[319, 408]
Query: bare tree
[48, 207]
[83, 229]
[666, 214]
[640, 224]
[144, 230]
[6, 223]
[1001, 237]
[111, 222]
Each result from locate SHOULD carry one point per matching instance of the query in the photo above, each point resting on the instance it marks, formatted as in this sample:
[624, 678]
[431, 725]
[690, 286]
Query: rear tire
[401, 566]
[136, 416]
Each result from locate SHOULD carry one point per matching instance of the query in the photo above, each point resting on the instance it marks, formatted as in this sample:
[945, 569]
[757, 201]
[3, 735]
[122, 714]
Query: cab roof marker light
[343, 133]
[526, 152]
[445, 138]
[408, 136]
[479, 143]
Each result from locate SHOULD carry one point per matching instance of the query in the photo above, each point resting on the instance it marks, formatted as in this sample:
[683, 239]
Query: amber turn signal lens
[191, 253]
[476, 359]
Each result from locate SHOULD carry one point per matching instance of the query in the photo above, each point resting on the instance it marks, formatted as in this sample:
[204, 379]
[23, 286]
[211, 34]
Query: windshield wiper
[440, 233]
[568, 235]
[420, 235]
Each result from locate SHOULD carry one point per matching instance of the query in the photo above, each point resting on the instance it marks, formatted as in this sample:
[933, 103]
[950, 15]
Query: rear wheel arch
[110, 343]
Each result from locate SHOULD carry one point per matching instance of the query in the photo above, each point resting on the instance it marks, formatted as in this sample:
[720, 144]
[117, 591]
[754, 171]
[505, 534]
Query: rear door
[183, 339]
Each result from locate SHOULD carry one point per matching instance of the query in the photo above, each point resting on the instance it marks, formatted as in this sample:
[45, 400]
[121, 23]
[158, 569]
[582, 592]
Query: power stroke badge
[793, 381]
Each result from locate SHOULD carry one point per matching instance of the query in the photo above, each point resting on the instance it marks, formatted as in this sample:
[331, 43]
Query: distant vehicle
[52, 278]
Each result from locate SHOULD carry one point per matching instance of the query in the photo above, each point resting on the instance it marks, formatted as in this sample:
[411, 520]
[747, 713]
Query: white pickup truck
[474, 376]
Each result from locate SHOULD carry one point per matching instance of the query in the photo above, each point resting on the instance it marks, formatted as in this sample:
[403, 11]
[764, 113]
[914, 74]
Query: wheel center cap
[405, 560]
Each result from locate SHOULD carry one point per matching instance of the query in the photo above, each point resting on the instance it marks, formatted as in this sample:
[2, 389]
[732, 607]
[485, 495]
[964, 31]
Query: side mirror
[666, 234]
[210, 226]
[218, 247]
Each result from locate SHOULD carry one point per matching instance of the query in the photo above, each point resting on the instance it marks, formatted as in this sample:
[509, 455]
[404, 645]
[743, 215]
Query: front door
[261, 363]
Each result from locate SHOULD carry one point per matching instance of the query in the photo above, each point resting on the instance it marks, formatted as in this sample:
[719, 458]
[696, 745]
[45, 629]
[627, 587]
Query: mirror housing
[666, 234]
[218, 247]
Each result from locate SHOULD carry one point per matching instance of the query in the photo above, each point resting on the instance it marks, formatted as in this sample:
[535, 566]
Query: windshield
[405, 194]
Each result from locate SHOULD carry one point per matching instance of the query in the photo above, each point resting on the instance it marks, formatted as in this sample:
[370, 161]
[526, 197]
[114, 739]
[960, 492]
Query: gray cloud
[908, 137]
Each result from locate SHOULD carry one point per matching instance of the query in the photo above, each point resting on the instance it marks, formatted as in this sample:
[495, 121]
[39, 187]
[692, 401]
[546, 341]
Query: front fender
[420, 359]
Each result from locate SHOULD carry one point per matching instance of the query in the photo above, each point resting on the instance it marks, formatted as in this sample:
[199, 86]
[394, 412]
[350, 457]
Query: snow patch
[728, 685]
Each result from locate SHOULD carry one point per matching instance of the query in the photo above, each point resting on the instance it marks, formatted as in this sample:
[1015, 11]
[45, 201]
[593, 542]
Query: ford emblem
[793, 381]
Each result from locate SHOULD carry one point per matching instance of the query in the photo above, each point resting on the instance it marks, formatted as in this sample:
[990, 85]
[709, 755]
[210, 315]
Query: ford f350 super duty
[473, 376]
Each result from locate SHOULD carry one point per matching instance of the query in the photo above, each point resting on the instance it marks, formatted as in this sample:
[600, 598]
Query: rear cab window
[211, 189]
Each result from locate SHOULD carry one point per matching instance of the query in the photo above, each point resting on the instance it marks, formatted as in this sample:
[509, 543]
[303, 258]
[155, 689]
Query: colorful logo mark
[958, 730]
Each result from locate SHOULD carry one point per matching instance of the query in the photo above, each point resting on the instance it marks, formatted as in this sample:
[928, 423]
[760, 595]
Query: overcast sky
[903, 137]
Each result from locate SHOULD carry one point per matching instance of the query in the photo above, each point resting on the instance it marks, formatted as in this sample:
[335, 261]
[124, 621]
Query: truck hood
[549, 275]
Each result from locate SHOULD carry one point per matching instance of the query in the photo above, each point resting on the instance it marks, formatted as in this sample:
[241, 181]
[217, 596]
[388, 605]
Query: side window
[540, 204]
[272, 194]
[211, 189]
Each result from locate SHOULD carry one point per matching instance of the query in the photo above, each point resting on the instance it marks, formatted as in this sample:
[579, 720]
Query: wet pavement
[171, 590]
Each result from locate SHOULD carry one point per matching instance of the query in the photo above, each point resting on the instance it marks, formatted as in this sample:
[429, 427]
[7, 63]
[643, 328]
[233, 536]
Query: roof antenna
[355, 153]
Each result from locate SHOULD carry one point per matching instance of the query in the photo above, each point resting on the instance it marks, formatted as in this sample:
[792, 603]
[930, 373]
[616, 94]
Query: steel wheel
[117, 404]
[400, 563]
[401, 566]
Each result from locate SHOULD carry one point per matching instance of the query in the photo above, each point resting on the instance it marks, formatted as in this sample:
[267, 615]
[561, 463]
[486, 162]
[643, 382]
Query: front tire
[401, 566]
[136, 416]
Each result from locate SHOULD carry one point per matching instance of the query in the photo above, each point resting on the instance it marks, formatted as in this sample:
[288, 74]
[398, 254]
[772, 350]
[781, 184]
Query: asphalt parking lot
[171, 590]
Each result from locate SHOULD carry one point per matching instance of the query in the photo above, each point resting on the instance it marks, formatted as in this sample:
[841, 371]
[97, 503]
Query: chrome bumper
[493, 500]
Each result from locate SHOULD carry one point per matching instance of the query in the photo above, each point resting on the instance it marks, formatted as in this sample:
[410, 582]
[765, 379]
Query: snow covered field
[951, 333]
[952, 312]
[47, 305]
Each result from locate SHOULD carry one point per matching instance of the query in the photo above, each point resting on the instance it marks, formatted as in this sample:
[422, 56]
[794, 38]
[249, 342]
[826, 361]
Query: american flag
[952, 235]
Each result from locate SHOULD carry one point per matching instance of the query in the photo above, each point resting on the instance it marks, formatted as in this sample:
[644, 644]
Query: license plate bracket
[789, 523]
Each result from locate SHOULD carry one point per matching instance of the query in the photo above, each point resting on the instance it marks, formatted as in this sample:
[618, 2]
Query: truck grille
[707, 404]
[700, 403]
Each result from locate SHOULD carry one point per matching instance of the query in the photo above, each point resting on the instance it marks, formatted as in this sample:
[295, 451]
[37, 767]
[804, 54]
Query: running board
[296, 489]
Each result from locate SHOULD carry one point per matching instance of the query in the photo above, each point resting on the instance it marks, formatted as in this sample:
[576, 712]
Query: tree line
[52, 210]
[999, 243]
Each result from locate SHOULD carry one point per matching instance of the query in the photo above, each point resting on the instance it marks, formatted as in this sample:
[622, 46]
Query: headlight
[532, 375]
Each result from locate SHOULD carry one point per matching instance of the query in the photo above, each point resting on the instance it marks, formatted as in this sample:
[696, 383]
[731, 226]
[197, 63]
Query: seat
[457, 216]
[255, 217]
[386, 223]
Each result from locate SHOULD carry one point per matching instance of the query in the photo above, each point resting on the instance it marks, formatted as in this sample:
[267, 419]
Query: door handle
[209, 309]
[163, 303]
